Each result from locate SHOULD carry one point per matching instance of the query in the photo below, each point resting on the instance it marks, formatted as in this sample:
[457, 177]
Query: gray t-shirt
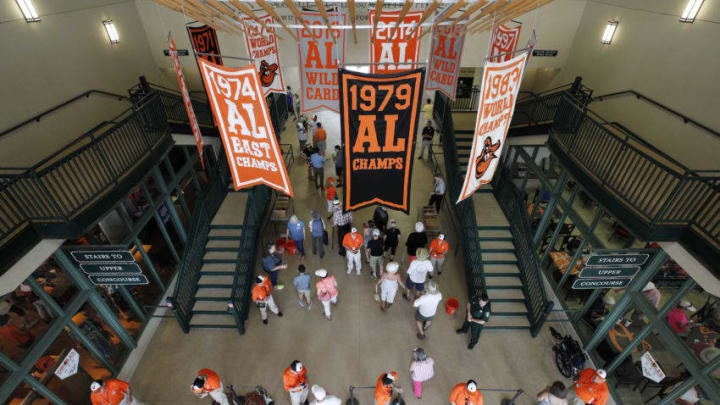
[302, 282]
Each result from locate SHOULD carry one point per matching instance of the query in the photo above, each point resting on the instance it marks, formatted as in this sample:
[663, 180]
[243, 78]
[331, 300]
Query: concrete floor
[361, 342]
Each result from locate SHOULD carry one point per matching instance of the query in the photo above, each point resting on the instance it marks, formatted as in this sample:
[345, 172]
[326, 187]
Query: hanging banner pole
[225, 56]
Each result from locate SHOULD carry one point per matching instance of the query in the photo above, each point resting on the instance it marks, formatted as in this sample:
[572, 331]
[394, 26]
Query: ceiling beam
[401, 17]
[378, 14]
[297, 14]
[428, 11]
[324, 14]
[351, 9]
[275, 15]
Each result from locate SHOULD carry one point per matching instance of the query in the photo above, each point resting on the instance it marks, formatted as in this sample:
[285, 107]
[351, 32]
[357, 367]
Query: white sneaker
[349, 271]
[309, 307]
[302, 304]
[358, 273]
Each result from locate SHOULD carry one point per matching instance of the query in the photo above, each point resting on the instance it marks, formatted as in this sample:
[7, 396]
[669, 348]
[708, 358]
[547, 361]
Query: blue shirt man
[296, 232]
[317, 160]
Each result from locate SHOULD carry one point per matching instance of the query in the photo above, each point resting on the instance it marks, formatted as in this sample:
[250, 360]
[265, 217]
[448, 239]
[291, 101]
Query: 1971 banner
[399, 53]
[262, 47]
[445, 55]
[204, 40]
[186, 99]
[321, 52]
[379, 117]
[239, 107]
[498, 93]
[504, 42]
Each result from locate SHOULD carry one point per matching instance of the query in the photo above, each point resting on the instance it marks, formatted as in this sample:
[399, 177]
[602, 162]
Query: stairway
[463, 143]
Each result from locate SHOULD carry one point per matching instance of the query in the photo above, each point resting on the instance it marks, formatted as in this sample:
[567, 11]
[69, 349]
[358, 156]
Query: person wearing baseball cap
[352, 242]
[295, 383]
[207, 382]
[389, 282]
[438, 248]
[322, 398]
[392, 238]
[263, 299]
[376, 249]
[466, 394]
[112, 392]
[677, 317]
[327, 291]
[386, 384]
[591, 386]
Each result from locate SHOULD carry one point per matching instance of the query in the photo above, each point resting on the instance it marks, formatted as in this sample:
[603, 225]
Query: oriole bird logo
[486, 157]
[267, 73]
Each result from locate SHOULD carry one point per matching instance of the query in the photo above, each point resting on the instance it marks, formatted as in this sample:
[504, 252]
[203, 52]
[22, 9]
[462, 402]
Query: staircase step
[216, 299]
[495, 238]
[511, 282]
[221, 249]
[508, 306]
[505, 293]
[222, 293]
[493, 262]
[214, 286]
[503, 287]
[498, 233]
[225, 255]
[218, 266]
[494, 227]
[501, 313]
[208, 312]
[210, 326]
[214, 306]
[214, 319]
[226, 232]
[499, 250]
[225, 226]
[484, 190]
[219, 261]
[223, 237]
[495, 256]
[508, 322]
[223, 279]
[489, 327]
[508, 300]
[219, 243]
[500, 275]
[493, 244]
[497, 270]
[217, 273]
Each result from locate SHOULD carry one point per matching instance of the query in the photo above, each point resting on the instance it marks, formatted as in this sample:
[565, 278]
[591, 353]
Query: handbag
[326, 239]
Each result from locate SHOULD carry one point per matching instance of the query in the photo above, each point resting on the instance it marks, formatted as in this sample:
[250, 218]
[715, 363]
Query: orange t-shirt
[113, 393]
[320, 134]
[353, 242]
[330, 193]
[212, 380]
[293, 380]
[438, 248]
[13, 333]
[382, 391]
[461, 396]
[590, 391]
[261, 292]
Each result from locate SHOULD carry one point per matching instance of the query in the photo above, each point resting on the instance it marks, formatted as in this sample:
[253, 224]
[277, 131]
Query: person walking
[389, 282]
[380, 218]
[112, 392]
[302, 135]
[367, 236]
[296, 232]
[327, 291]
[302, 285]
[436, 196]
[418, 270]
[415, 240]
[385, 387]
[290, 102]
[478, 313]
[318, 163]
[427, 136]
[375, 247]
[296, 101]
[295, 383]
[263, 299]
[554, 394]
[272, 264]
[466, 394]
[426, 306]
[392, 238]
[319, 137]
[428, 110]
[343, 221]
[207, 382]
[591, 386]
[422, 368]
[339, 160]
[321, 397]
[317, 232]
[352, 242]
[438, 249]
[330, 194]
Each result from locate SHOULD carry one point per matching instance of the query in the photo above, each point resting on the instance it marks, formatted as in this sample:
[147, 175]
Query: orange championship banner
[399, 53]
[186, 99]
[504, 43]
[498, 93]
[262, 47]
[239, 108]
[445, 56]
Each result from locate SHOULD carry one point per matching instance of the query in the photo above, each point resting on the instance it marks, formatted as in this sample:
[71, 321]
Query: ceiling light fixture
[691, 11]
[111, 31]
[609, 32]
[28, 10]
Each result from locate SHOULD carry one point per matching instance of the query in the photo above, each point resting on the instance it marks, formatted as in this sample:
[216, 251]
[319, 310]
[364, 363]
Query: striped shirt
[341, 219]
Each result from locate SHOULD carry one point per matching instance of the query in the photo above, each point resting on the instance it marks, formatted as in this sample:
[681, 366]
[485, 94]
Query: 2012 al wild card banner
[204, 40]
[498, 93]
[321, 52]
[400, 52]
[262, 47]
[445, 55]
[186, 99]
[379, 117]
[504, 42]
[239, 107]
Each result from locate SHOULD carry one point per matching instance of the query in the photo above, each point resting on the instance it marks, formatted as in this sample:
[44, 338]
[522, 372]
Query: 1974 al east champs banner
[321, 52]
[504, 42]
[378, 122]
[262, 47]
[239, 107]
[192, 119]
[498, 93]
[204, 40]
[445, 55]
[400, 52]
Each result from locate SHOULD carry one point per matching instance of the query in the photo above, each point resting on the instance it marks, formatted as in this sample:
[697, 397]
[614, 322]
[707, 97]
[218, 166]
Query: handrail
[657, 104]
[37, 117]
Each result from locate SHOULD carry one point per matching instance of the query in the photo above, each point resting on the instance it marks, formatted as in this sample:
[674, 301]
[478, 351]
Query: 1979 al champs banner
[321, 52]
[445, 55]
[204, 40]
[504, 43]
[379, 117]
[498, 93]
[238, 104]
[262, 47]
[400, 52]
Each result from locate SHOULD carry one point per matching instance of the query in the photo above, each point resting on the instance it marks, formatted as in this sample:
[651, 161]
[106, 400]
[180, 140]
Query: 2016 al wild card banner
[401, 51]
[262, 47]
[321, 52]
[379, 116]
[504, 42]
[204, 40]
[445, 54]
[186, 99]
[498, 92]
[239, 107]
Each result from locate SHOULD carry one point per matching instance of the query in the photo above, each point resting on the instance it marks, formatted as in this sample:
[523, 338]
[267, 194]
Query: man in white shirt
[321, 397]
[426, 308]
[417, 272]
[436, 196]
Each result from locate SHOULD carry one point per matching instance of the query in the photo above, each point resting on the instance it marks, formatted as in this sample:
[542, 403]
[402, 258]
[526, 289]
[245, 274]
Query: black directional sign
[118, 279]
[591, 284]
[110, 268]
[609, 272]
[545, 52]
[103, 256]
[620, 259]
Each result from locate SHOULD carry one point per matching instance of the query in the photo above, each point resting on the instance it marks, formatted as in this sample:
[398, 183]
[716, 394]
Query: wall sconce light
[111, 31]
[691, 11]
[28, 10]
[609, 32]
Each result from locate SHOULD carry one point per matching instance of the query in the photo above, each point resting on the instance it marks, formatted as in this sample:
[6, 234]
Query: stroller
[259, 396]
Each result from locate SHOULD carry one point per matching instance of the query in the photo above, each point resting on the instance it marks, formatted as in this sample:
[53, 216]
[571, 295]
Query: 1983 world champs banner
[321, 52]
[498, 93]
[445, 55]
[204, 40]
[186, 99]
[262, 47]
[239, 107]
[504, 42]
[401, 51]
[379, 116]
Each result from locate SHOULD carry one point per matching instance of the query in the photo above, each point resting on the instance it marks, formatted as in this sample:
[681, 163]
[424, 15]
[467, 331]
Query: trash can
[451, 306]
